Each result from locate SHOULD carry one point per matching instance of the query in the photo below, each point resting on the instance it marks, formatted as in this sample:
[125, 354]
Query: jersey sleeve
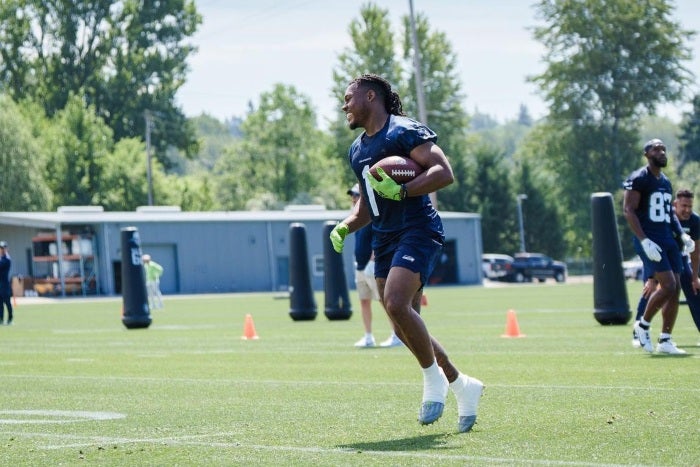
[694, 227]
[636, 181]
[412, 134]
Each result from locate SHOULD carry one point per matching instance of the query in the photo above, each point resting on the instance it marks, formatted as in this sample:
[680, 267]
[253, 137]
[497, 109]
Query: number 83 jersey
[655, 203]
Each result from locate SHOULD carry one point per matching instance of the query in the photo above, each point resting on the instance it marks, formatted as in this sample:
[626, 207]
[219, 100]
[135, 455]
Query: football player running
[408, 234]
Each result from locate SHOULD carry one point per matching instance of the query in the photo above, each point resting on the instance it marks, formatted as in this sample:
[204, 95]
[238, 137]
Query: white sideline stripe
[193, 441]
[57, 416]
[341, 383]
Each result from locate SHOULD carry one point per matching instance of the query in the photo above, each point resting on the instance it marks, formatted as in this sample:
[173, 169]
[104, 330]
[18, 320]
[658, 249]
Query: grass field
[77, 387]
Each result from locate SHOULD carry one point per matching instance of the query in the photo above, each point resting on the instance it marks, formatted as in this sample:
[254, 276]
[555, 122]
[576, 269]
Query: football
[400, 169]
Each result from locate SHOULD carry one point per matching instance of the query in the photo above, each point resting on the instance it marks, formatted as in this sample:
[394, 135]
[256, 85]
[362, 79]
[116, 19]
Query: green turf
[190, 391]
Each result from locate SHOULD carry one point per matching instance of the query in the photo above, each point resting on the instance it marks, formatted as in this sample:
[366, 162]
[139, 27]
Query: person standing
[647, 209]
[153, 272]
[690, 283]
[408, 234]
[364, 280]
[5, 285]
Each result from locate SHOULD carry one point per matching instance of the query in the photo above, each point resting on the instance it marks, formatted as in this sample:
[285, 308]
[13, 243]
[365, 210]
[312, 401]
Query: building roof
[85, 215]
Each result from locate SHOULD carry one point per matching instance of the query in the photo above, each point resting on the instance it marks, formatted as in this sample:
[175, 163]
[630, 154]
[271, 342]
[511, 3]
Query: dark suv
[529, 266]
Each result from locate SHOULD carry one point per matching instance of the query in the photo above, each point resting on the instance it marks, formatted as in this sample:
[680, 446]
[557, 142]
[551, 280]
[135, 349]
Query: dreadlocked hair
[392, 101]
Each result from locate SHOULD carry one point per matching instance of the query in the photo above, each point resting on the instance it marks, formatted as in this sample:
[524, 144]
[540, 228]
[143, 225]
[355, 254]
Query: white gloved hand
[369, 270]
[688, 243]
[651, 249]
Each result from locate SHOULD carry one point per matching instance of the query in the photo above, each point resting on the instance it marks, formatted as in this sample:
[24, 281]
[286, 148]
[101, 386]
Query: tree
[542, 223]
[490, 193]
[124, 177]
[81, 143]
[122, 57]
[372, 51]
[22, 162]
[690, 134]
[524, 117]
[442, 91]
[280, 154]
[607, 63]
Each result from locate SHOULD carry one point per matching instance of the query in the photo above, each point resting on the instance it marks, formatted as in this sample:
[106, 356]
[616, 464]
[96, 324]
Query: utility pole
[422, 113]
[521, 197]
[149, 176]
[420, 97]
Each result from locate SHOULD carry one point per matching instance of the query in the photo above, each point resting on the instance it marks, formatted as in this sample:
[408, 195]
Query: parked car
[633, 268]
[529, 266]
[496, 266]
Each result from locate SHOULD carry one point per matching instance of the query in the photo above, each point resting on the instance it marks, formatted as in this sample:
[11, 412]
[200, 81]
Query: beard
[659, 163]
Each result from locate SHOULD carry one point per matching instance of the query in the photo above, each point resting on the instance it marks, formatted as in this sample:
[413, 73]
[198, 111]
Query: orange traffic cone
[424, 300]
[249, 328]
[512, 328]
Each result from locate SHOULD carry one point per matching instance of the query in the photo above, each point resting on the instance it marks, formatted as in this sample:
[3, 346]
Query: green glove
[387, 188]
[338, 236]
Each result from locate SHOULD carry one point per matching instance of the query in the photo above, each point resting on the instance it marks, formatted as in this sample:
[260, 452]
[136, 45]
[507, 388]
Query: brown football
[400, 169]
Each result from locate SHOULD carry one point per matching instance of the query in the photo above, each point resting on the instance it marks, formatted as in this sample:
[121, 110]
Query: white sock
[465, 406]
[644, 322]
[457, 387]
[433, 384]
[664, 335]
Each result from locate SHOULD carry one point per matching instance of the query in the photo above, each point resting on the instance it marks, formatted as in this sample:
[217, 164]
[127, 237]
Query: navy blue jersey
[692, 226]
[363, 247]
[399, 136]
[5, 265]
[655, 203]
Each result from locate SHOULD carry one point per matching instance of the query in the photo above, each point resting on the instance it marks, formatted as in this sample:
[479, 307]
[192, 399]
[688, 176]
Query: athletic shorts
[414, 249]
[671, 259]
[366, 284]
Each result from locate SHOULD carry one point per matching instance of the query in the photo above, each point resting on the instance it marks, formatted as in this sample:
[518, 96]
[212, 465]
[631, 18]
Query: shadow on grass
[666, 355]
[416, 443]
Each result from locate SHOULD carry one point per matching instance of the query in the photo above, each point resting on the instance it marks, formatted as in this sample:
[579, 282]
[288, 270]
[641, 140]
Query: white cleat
[473, 390]
[644, 339]
[667, 346]
[392, 341]
[365, 342]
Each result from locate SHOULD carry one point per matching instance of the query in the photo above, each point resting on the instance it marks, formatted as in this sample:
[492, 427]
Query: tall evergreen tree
[690, 134]
[607, 62]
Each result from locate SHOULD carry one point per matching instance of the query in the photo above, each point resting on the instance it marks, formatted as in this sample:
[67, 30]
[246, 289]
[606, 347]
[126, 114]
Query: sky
[245, 48]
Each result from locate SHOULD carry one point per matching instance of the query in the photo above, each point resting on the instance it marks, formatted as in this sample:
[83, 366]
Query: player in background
[647, 209]
[407, 234]
[365, 282]
[690, 283]
[5, 284]
[153, 273]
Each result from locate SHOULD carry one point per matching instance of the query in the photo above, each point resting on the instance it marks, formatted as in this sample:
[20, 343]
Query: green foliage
[22, 162]
[372, 51]
[81, 143]
[541, 220]
[607, 63]
[690, 134]
[214, 136]
[488, 191]
[442, 94]
[121, 57]
[191, 192]
[124, 176]
[280, 153]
